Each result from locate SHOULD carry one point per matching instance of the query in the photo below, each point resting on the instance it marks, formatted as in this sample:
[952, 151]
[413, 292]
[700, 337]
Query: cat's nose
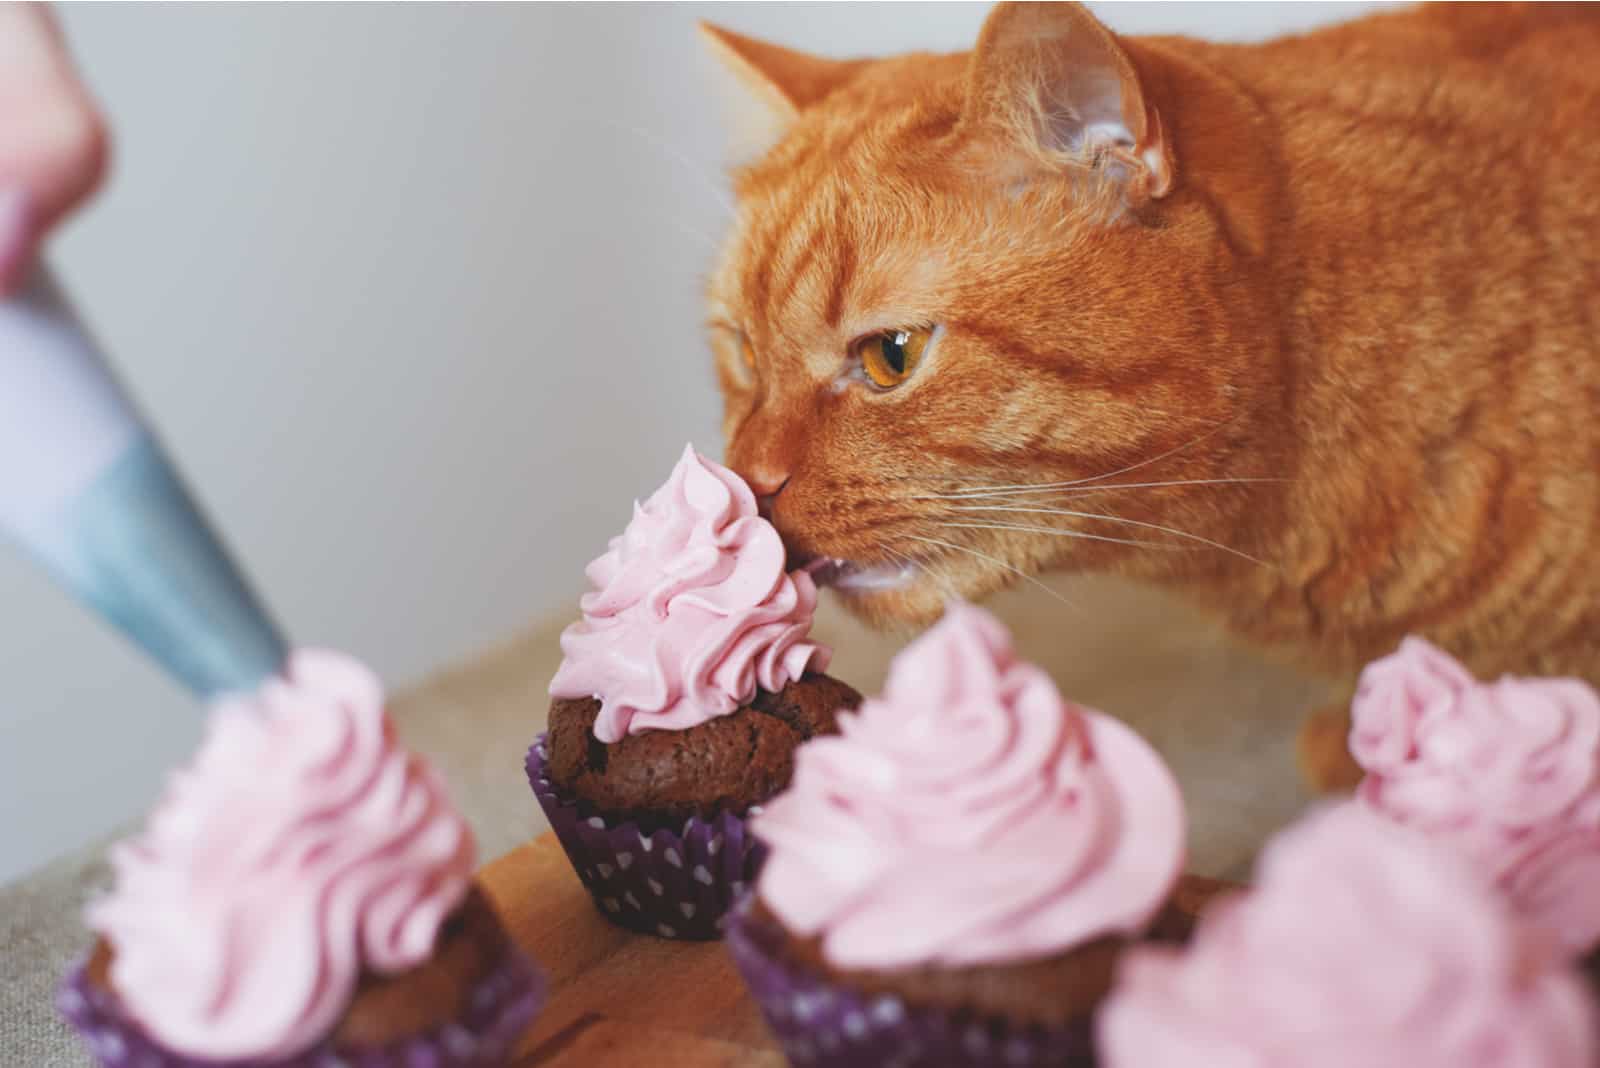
[766, 482]
[767, 495]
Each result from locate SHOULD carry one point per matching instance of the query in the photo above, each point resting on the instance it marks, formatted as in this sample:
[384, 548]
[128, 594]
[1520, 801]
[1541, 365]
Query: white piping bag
[88, 492]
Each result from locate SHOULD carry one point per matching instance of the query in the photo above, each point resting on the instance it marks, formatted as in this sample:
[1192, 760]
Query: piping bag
[89, 493]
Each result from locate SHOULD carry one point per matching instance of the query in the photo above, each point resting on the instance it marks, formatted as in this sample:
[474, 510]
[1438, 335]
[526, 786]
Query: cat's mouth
[852, 577]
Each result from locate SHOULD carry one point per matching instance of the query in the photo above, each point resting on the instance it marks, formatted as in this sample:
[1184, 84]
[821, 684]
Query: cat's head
[955, 279]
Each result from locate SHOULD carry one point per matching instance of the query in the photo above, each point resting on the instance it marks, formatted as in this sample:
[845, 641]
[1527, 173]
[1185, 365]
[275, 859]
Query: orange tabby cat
[1306, 329]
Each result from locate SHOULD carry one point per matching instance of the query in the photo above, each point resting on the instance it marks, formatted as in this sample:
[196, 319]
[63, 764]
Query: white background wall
[412, 293]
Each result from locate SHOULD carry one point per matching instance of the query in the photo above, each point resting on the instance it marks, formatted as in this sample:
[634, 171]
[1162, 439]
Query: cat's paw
[1324, 750]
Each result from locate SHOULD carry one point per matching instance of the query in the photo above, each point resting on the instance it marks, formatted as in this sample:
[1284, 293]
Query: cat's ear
[775, 84]
[1050, 77]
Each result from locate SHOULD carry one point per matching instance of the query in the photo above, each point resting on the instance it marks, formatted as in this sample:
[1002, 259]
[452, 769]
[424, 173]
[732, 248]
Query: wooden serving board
[619, 999]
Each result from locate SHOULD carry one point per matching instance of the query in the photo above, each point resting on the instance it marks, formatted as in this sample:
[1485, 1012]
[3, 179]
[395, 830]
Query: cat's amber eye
[747, 353]
[887, 359]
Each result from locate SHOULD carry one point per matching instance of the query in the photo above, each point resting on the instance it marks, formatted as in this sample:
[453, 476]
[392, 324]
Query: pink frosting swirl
[1394, 695]
[302, 845]
[1360, 944]
[1507, 773]
[691, 610]
[1551, 879]
[970, 815]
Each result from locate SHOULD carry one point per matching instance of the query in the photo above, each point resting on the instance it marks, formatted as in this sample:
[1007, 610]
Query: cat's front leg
[1324, 747]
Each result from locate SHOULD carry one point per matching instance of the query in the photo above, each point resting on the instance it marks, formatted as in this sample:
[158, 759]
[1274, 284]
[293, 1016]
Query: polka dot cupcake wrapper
[818, 1021]
[674, 884]
[499, 1009]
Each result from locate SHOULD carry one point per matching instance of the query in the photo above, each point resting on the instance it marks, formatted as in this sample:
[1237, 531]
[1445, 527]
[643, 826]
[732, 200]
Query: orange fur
[1359, 268]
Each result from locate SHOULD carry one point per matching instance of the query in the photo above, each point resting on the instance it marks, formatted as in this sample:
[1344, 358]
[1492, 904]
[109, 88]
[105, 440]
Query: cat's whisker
[677, 156]
[1174, 531]
[978, 490]
[645, 220]
[1024, 488]
[1059, 532]
[998, 563]
[684, 228]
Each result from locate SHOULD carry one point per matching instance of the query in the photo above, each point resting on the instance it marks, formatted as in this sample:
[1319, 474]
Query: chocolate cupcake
[302, 896]
[661, 778]
[683, 694]
[952, 879]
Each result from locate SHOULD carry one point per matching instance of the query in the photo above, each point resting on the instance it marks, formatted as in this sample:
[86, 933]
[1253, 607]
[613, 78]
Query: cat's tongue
[850, 576]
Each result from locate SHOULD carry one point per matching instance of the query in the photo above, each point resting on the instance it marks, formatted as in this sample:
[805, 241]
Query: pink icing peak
[691, 610]
[1360, 944]
[970, 815]
[1507, 773]
[303, 844]
[1395, 694]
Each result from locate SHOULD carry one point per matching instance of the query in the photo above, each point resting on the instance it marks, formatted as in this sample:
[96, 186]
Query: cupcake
[1505, 773]
[1360, 944]
[302, 896]
[682, 696]
[952, 878]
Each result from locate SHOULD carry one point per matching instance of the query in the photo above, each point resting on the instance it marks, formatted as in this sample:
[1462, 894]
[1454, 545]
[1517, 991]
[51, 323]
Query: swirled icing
[1361, 943]
[691, 610]
[1507, 773]
[302, 845]
[970, 815]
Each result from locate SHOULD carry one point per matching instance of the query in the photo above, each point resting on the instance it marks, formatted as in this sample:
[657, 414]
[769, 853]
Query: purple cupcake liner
[818, 1021]
[499, 1009]
[666, 883]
